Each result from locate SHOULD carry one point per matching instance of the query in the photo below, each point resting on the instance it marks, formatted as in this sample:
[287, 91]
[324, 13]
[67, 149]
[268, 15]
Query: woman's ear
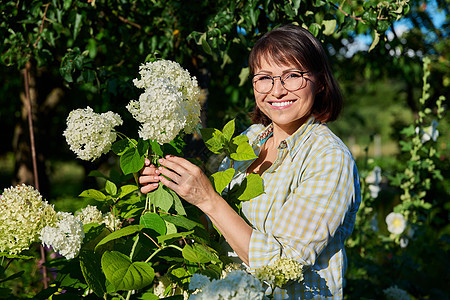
[320, 87]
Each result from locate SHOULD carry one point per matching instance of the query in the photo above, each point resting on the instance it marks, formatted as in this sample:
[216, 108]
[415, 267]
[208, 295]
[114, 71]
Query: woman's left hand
[187, 180]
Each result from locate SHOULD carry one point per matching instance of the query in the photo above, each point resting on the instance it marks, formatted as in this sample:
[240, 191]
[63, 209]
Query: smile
[282, 104]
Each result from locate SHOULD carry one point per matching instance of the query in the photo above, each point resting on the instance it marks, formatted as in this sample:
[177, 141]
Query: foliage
[381, 257]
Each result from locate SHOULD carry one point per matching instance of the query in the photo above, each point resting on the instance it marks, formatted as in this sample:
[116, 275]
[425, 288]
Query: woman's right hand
[148, 178]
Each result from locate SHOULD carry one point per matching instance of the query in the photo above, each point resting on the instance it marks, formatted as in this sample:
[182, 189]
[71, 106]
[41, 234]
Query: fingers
[149, 187]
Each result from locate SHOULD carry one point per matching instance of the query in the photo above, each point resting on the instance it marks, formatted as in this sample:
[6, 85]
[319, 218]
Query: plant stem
[134, 246]
[162, 248]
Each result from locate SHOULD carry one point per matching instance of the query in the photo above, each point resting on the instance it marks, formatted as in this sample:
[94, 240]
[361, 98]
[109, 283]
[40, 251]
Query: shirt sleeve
[313, 212]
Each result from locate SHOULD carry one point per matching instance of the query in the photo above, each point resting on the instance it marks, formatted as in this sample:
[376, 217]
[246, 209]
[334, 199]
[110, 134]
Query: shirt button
[282, 145]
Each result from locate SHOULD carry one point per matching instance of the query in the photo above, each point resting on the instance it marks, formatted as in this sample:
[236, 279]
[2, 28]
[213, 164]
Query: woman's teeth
[284, 103]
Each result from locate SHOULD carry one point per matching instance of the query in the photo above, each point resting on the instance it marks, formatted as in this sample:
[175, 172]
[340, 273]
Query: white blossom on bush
[429, 133]
[282, 271]
[23, 214]
[374, 180]
[237, 284]
[66, 237]
[91, 214]
[90, 134]
[396, 223]
[169, 103]
[396, 293]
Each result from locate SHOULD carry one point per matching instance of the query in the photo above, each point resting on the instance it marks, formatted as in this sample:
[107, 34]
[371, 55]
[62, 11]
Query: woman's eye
[292, 75]
[265, 78]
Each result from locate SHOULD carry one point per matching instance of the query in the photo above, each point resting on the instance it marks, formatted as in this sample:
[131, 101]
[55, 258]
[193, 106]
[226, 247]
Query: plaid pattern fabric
[312, 194]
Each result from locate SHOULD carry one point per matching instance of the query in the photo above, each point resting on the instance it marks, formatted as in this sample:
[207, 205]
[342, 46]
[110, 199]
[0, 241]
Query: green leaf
[161, 198]
[214, 139]
[228, 130]
[198, 253]
[94, 194]
[148, 296]
[120, 233]
[153, 221]
[181, 221]
[243, 76]
[330, 26]
[205, 45]
[124, 274]
[314, 28]
[77, 25]
[251, 187]
[131, 161]
[121, 146]
[240, 149]
[221, 179]
[156, 148]
[163, 239]
[90, 267]
[376, 40]
[111, 188]
[179, 208]
[127, 189]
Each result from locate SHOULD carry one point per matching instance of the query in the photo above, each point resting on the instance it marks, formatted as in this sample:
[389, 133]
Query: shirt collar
[293, 142]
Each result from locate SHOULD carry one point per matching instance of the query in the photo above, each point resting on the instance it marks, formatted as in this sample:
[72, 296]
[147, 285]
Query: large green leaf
[90, 267]
[221, 179]
[124, 274]
[111, 188]
[120, 233]
[251, 187]
[167, 239]
[153, 221]
[228, 130]
[127, 189]
[214, 139]
[198, 253]
[181, 221]
[131, 161]
[162, 198]
[240, 149]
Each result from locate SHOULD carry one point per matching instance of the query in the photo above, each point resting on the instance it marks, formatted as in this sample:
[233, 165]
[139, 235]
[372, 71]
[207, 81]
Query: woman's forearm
[233, 227]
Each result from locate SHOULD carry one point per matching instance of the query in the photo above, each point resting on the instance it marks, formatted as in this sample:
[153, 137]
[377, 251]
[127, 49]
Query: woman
[311, 182]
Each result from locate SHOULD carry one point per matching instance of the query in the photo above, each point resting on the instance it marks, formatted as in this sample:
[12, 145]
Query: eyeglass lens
[291, 81]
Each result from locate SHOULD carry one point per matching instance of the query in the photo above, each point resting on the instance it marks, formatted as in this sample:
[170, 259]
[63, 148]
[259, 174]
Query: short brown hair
[291, 44]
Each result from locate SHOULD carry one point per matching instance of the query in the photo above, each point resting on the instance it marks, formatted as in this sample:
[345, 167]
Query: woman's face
[287, 110]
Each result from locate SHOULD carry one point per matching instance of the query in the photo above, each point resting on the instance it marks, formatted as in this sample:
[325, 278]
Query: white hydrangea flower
[169, 103]
[237, 284]
[198, 281]
[91, 214]
[90, 134]
[374, 190]
[282, 271]
[23, 214]
[66, 237]
[396, 293]
[396, 223]
[110, 221]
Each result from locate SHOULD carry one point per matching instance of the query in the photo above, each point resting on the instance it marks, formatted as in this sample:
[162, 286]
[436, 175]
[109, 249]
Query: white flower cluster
[237, 284]
[279, 273]
[396, 293]
[396, 223]
[66, 238]
[374, 180]
[89, 134]
[91, 214]
[429, 133]
[23, 214]
[169, 103]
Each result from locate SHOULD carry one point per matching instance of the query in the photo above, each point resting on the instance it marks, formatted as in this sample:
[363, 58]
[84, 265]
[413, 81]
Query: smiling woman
[311, 184]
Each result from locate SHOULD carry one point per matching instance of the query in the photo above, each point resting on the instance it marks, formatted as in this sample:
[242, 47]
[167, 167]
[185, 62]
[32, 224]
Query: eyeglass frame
[302, 74]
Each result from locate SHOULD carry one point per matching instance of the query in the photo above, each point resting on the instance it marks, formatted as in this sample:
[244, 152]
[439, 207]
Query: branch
[126, 21]
[42, 25]
[346, 14]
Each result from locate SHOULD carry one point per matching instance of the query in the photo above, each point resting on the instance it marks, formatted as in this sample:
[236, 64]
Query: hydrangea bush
[148, 246]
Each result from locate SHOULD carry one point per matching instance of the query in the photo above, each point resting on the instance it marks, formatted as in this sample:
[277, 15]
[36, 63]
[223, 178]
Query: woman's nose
[278, 88]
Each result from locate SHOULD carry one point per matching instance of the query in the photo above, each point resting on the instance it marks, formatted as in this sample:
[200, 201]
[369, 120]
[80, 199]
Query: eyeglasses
[291, 81]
